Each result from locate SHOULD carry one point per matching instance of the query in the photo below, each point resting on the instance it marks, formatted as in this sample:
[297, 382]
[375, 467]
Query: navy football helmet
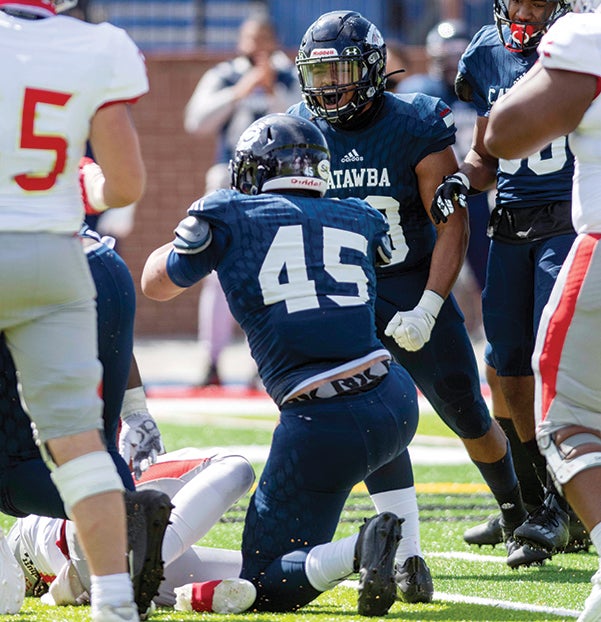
[523, 36]
[281, 152]
[341, 64]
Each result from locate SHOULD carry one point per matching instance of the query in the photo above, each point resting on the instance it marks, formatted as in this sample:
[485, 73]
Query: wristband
[431, 302]
[464, 179]
[134, 401]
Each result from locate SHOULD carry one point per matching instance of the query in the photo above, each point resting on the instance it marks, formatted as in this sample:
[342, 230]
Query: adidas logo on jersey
[351, 156]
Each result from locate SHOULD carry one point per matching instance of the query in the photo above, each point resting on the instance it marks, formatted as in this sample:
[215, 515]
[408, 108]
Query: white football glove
[140, 441]
[412, 329]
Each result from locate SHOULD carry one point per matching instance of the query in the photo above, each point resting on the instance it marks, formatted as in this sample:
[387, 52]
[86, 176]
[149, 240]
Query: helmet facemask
[341, 64]
[524, 36]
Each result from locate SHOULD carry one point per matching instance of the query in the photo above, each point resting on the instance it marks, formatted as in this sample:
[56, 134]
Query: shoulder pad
[463, 89]
[192, 236]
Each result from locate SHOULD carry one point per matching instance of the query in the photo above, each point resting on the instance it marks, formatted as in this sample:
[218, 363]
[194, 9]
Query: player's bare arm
[117, 151]
[155, 281]
[480, 165]
[452, 236]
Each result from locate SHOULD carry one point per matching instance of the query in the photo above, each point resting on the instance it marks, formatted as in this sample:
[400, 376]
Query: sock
[329, 564]
[538, 460]
[532, 489]
[403, 503]
[596, 540]
[111, 589]
[502, 481]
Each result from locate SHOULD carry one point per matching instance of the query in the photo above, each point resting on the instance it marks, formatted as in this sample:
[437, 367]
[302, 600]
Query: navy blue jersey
[545, 176]
[299, 277]
[377, 163]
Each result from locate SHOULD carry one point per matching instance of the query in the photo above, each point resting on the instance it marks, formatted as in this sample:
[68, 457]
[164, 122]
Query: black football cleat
[547, 528]
[374, 561]
[488, 533]
[414, 581]
[147, 519]
[524, 555]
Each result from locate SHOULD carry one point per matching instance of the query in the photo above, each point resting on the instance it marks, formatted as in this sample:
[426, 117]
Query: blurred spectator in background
[445, 44]
[227, 99]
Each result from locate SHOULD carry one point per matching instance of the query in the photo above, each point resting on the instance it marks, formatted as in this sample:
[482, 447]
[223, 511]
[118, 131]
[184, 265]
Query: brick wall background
[176, 164]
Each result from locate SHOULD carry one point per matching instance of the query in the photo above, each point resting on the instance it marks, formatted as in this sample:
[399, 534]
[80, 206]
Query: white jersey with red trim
[573, 43]
[38, 537]
[56, 72]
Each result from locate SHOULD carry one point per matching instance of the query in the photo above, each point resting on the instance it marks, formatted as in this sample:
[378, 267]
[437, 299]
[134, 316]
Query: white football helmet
[584, 6]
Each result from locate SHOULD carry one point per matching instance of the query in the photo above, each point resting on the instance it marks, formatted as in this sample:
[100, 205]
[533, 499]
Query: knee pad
[86, 476]
[569, 451]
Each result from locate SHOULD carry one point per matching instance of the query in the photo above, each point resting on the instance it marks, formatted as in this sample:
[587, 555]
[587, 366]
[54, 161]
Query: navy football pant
[519, 280]
[445, 369]
[319, 451]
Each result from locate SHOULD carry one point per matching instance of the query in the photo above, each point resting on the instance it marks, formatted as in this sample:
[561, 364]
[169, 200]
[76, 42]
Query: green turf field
[470, 584]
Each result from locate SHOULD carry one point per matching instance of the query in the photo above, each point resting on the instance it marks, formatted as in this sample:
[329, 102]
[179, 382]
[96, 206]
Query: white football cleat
[225, 596]
[12, 580]
[112, 613]
[592, 605]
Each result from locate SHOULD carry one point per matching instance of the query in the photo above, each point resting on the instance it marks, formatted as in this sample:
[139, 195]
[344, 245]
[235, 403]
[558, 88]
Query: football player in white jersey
[203, 485]
[563, 92]
[67, 81]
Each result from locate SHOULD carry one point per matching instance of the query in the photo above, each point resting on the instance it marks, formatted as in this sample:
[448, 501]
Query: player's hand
[140, 441]
[91, 184]
[454, 189]
[412, 329]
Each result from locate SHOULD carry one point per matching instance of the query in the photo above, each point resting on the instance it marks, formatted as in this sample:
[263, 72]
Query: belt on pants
[358, 383]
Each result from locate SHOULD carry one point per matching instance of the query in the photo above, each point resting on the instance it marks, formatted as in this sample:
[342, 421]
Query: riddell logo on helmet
[312, 183]
[320, 52]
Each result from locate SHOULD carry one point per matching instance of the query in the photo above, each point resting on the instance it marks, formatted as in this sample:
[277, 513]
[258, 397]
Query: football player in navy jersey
[531, 232]
[391, 150]
[298, 271]
[564, 88]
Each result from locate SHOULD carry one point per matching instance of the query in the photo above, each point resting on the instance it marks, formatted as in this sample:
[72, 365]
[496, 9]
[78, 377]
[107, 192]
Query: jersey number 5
[287, 255]
[32, 140]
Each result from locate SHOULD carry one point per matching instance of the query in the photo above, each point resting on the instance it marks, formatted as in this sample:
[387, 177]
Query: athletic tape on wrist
[464, 179]
[134, 401]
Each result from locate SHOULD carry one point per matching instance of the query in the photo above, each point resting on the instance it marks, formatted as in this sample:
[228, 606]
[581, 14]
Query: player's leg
[568, 392]
[295, 510]
[445, 370]
[56, 355]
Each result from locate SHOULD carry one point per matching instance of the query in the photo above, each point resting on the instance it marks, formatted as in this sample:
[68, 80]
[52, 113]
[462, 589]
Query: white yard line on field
[491, 602]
